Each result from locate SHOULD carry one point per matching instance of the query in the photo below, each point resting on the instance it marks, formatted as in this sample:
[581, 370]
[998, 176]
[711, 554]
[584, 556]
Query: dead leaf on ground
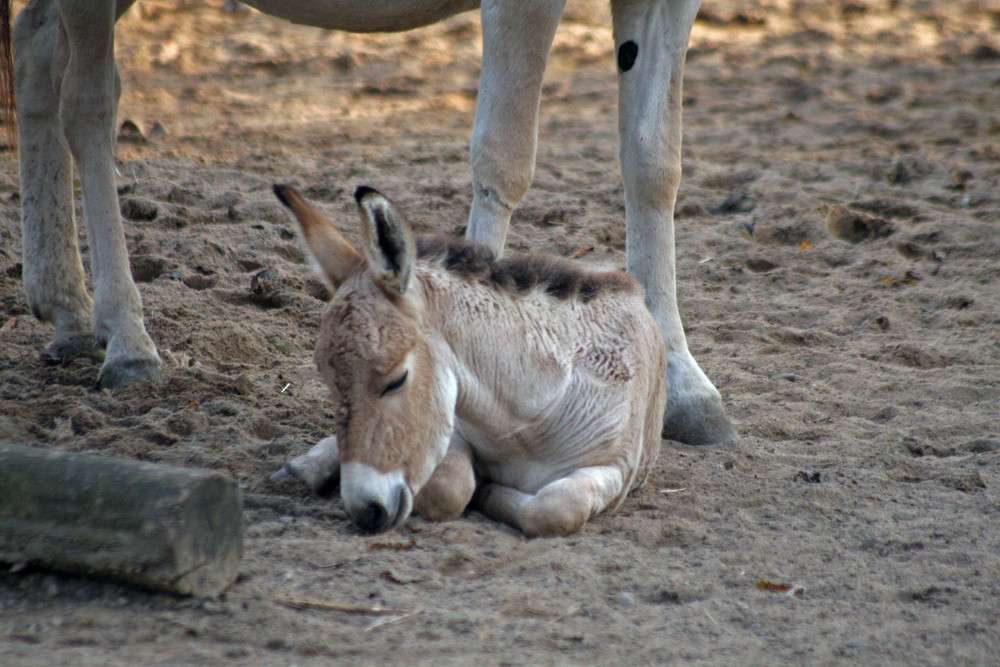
[909, 278]
[792, 590]
[393, 546]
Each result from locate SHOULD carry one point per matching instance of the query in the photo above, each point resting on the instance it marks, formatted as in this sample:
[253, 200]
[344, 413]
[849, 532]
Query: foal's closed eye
[395, 385]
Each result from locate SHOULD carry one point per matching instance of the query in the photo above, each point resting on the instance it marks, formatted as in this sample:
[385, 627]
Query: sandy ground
[838, 243]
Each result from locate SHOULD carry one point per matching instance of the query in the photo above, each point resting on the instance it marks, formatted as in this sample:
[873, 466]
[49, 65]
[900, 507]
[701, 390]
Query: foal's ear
[335, 258]
[389, 245]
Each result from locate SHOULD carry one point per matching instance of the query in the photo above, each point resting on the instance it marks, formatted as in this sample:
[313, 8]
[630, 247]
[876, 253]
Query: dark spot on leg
[627, 53]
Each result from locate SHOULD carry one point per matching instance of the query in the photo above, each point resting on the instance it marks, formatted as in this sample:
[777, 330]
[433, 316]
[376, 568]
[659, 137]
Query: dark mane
[559, 277]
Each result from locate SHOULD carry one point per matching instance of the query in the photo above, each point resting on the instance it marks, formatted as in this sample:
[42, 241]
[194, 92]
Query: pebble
[738, 202]
[137, 208]
[266, 287]
[626, 599]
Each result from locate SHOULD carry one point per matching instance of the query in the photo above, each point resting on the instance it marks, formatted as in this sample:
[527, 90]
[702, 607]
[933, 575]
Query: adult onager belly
[544, 380]
[67, 95]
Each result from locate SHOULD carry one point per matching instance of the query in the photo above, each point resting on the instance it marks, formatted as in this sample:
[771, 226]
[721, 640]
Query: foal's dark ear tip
[281, 192]
[362, 191]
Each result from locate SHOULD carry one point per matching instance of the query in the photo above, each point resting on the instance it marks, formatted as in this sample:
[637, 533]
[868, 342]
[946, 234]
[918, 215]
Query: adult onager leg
[651, 40]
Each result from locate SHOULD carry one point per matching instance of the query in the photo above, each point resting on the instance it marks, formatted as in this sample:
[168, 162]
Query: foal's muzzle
[374, 501]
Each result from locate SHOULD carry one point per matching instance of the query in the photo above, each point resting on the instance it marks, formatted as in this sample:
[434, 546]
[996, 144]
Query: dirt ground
[838, 241]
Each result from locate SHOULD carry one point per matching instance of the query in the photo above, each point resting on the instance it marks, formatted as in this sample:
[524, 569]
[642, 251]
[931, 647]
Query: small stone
[129, 132]
[738, 202]
[200, 282]
[266, 288]
[138, 208]
[282, 345]
[626, 599]
[156, 131]
[981, 446]
[147, 268]
[911, 250]
[214, 606]
[760, 264]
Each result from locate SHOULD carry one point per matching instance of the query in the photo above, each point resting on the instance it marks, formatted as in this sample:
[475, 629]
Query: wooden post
[157, 526]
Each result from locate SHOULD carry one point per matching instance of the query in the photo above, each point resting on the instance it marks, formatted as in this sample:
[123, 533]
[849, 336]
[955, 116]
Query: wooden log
[156, 526]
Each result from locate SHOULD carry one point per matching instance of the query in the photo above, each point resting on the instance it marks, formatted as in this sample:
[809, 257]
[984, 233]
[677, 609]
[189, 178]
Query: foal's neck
[504, 349]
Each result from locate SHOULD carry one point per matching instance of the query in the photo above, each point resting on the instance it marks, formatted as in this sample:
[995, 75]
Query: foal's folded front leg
[450, 488]
[560, 507]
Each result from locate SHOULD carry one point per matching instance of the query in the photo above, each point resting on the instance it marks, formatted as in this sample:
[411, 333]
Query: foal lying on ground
[541, 380]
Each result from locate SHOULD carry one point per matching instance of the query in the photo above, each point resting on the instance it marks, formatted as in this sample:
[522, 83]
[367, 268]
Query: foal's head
[394, 413]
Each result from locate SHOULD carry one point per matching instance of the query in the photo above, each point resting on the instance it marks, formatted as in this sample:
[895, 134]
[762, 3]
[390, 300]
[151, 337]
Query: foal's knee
[447, 493]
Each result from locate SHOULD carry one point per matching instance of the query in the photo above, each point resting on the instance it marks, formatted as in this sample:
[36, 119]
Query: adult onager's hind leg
[651, 39]
[68, 89]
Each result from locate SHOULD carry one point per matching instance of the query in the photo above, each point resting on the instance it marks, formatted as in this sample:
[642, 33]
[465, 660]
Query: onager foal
[546, 380]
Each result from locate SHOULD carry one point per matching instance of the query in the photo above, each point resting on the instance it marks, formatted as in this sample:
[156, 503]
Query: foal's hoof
[697, 421]
[319, 468]
[61, 351]
[120, 372]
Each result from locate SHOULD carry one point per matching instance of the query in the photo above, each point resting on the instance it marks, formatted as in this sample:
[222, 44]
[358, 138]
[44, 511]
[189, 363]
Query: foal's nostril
[372, 518]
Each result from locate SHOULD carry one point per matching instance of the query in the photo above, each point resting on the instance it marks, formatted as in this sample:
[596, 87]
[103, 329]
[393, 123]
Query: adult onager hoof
[117, 373]
[697, 420]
